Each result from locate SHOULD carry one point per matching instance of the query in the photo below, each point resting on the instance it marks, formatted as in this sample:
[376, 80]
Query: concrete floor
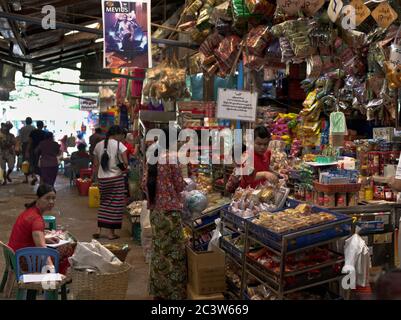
[78, 218]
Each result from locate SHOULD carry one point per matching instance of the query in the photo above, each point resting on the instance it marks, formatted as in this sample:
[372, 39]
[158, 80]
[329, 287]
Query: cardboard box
[206, 271]
[192, 295]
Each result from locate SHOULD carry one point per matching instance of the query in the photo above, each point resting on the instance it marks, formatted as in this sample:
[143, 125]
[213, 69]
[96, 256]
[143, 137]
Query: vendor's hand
[52, 240]
[271, 177]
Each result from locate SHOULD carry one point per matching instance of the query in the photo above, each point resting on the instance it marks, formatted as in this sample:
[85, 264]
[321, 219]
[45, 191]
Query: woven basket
[107, 286]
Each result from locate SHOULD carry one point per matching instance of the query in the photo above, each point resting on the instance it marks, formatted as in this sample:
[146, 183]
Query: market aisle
[77, 218]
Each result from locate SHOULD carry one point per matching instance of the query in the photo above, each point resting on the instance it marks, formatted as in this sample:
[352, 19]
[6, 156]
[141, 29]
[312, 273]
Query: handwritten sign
[236, 105]
[291, 7]
[384, 15]
[310, 7]
[334, 9]
[361, 11]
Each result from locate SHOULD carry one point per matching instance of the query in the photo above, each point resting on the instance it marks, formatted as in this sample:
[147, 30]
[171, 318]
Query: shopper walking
[35, 138]
[47, 152]
[110, 163]
[63, 145]
[94, 139]
[23, 138]
[163, 184]
[7, 151]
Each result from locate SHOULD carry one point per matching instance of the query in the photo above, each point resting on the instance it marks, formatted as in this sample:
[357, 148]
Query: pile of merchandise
[292, 219]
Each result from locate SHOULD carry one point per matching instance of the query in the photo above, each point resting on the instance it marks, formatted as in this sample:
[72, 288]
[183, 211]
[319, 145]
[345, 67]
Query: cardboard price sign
[291, 7]
[310, 7]
[334, 9]
[384, 15]
[361, 11]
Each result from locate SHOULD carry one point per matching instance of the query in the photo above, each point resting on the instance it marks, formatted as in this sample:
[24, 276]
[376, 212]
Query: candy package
[264, 7]
[257, 40]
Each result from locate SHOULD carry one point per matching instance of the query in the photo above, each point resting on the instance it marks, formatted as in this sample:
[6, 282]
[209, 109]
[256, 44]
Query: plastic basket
[106, 286]
[337, 188]
[339, 228]
[237, 221]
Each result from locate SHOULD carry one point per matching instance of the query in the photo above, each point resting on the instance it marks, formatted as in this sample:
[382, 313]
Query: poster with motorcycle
[127, 34]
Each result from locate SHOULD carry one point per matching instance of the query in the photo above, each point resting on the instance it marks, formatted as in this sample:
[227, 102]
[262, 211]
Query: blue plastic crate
[206, 220]
[274, 240]
[237, 221]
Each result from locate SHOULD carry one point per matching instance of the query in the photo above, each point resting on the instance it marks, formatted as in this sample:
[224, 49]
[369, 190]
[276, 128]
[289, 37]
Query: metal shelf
[275, 281]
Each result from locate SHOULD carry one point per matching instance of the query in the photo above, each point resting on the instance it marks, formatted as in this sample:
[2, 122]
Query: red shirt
[27, 222]
[130, 148]
[261, 163]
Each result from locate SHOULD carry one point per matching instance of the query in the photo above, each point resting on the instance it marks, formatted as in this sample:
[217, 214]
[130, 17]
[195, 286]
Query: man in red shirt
[259, 174]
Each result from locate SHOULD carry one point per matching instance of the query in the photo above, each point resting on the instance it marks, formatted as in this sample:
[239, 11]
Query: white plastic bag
[214, 242]
[93, 255]
[357, 258]
[145, 216]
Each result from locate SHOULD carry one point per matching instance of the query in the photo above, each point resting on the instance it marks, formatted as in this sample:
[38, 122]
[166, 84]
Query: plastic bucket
[83, 187]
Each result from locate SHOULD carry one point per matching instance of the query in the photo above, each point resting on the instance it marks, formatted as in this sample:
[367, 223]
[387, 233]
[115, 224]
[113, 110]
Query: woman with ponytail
[163, 184]
[110, 163]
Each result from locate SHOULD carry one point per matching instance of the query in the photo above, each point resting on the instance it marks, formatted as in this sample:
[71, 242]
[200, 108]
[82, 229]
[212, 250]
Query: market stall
[328, 93]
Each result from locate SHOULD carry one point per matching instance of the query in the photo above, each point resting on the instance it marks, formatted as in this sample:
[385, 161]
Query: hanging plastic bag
[214, 242]
[338, 124]
[357, 261]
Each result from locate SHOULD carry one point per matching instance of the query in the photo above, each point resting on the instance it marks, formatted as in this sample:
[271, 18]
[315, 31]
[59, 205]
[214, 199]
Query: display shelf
[280, 282]
[207, 220]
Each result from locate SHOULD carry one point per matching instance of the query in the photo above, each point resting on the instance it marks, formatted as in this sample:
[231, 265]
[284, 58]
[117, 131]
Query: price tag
[334, 9]
[384, 15]
[310, 7]
[361, 11]
[383, 238]
[291, 7]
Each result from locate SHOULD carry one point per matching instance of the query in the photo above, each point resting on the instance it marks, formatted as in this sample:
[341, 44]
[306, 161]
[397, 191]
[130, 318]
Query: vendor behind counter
[260, 173]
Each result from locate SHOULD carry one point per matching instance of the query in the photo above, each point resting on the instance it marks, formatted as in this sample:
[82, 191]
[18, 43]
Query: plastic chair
[76, 166]
[10, 265]
[36, 259]
[50, 221]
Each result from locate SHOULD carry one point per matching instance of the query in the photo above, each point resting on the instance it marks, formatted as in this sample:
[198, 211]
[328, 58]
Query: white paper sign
[236, 105]
[88, 105]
